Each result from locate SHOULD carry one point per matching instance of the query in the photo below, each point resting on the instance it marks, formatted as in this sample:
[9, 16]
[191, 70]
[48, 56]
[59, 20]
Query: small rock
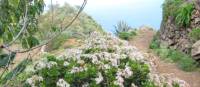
[196, 50]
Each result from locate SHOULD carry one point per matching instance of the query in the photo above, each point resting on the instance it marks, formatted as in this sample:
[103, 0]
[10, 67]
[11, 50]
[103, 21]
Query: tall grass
[184, 14]
[179, 10]
[170, 8]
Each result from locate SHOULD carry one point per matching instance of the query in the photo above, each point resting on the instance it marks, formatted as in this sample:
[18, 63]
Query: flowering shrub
[103, 61]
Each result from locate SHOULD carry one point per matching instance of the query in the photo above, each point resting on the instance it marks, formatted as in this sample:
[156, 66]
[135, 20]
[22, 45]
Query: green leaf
[6, 58]
[30, 42]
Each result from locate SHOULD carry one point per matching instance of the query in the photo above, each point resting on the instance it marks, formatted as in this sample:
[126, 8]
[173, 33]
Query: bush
[184, 14]
[68, 70]
[127, 35]
[155, 44]
[195, 34]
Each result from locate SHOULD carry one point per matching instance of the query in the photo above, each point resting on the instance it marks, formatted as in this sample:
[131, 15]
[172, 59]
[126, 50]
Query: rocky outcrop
[177, 37]
[196, 50]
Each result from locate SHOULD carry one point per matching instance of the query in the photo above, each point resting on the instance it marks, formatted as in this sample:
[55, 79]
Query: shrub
[184, 14]
[155, 44]
[124, 35]
[69, 70]
[195, 34]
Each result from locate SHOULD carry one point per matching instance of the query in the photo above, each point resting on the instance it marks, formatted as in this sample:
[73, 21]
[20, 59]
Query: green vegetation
[170, 8]
[127, 35]
[184, 62]
[124, 31]
[179, 10]
[18, 72]
[18, 15]
[195, 34]
[51, 76]
[184, 14]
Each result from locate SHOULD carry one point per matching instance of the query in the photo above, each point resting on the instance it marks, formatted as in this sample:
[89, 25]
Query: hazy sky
[108, 12]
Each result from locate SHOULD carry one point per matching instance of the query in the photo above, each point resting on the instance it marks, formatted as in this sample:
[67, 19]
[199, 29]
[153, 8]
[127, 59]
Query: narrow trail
[142, 41]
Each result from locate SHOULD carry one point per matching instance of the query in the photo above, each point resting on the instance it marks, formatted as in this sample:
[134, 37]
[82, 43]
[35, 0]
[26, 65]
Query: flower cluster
[34, 80]
[103, 60]
[62, 83]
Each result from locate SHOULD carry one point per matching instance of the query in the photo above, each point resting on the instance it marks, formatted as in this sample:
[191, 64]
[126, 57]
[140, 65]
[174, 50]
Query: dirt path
[142, 41]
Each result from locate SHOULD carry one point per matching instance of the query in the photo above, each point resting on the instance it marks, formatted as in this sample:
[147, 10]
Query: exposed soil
[142, 41]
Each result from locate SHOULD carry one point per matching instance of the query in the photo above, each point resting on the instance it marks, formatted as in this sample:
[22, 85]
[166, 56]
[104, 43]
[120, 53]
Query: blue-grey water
[135, 12]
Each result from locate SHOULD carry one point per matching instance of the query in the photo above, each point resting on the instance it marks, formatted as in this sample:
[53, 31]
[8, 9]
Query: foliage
[92, 50]
[170, 8]
[184, 14]
[76, 79]
[195, 34]
[6, 58]
[184, 61]
[127, 35]
[176, 85]
[179, 10]
[15, 72]
[155, 44]
[29, 42]
[16, 14]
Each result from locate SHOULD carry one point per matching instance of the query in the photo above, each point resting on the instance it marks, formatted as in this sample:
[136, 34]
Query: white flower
[127, 72]
[123, 56]
[33, 80]
[99, 79]
[133, 85]
[114, 62]
[73, 53]
[119, 81]
[30, 81]
[94, 59]
[80, 62]
[77, 69]
[106, 66]
[62, 83]
[51, 64]
[40, 65]
[85, 85]
[65, 63]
